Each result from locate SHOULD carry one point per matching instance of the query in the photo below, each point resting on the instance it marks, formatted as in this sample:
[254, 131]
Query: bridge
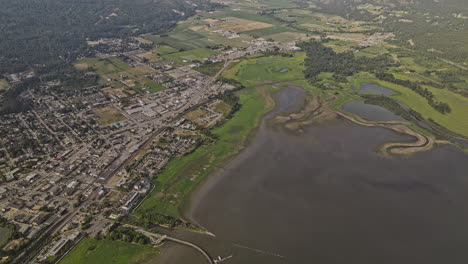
[157, 238]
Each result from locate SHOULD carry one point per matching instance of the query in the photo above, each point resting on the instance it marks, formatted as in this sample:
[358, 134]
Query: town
[73, 164]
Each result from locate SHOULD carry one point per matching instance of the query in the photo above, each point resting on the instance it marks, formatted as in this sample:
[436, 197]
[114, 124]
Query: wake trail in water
[259, 251]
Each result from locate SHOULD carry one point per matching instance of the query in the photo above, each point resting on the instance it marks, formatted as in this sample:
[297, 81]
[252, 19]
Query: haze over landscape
[233, 131]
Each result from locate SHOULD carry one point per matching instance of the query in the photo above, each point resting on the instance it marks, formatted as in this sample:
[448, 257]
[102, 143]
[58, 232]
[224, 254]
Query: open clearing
[267, 69]
[3, 84]
[108, 115]
[92, 251]
[4, 234]
[186, 57]
[238, 25]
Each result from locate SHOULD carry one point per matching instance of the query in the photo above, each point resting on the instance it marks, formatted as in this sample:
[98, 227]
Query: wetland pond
[376, 89]
[324, 196]
[371, 112]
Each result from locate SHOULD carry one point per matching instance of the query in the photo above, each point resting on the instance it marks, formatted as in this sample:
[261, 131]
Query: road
[157, 237]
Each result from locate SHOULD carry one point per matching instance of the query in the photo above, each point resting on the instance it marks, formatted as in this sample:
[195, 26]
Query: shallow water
[324, 196]
[375, 88]
[371, 112]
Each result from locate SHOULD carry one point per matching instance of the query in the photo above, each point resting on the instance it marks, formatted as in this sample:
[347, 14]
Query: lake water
[325, 197]
[371, 112]
[375, 88]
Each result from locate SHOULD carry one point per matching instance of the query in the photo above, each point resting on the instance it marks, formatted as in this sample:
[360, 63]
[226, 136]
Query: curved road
[160, 238]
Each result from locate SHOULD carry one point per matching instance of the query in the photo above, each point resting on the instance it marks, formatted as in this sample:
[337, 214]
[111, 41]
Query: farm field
[187, 57]
[92, 251]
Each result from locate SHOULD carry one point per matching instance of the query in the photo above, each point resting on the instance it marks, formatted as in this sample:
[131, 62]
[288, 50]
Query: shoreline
[189, 204]
[312, 111]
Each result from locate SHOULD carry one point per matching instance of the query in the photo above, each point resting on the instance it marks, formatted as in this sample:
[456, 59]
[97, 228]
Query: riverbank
[182, 175]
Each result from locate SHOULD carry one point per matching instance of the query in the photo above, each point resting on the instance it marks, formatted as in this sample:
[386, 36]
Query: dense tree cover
[39, 32]
[424, 92]
[387, 103]
[432, 24]
[323, 59]
[149, 218]
[126, 234]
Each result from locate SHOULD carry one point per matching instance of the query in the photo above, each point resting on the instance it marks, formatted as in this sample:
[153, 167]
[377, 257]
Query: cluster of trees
[150, 218]
[323, 59]
[416, 87]
[127, 235]
[233, 100]
[387, 103]
[14, 234]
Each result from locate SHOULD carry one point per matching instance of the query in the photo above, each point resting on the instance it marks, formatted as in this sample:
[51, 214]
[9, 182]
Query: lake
[324, 196]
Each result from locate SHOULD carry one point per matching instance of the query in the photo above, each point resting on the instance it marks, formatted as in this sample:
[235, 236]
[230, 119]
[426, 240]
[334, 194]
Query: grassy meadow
[92, 251]
[455, 121]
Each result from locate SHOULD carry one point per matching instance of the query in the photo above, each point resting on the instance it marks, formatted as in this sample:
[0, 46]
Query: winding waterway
[324, 196]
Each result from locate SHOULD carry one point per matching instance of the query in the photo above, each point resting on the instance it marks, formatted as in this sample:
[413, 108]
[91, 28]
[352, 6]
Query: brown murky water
[325, 197]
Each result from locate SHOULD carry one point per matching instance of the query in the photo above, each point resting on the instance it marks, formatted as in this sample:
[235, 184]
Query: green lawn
[103, 66]
[163, 50]
[267, 69]
[92, 251]
[183, 174]
[4, 235]
[189, 56]
[154, 87]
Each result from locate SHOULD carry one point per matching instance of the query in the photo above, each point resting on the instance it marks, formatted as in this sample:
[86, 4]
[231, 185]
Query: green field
[92, 251]
[455, 121]
[264, 32]
[181, 175]
[186, 57]
[163, 50]
[103, 66]
[154, 87]
[3, 84]
[284, 36]
[267, 69]
[4, 235]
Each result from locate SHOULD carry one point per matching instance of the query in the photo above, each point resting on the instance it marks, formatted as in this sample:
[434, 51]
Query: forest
[433, 26]
[324, 59]
[36, 33]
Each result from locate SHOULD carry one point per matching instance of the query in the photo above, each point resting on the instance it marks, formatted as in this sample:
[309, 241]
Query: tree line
[324, 59]
[441, 107]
